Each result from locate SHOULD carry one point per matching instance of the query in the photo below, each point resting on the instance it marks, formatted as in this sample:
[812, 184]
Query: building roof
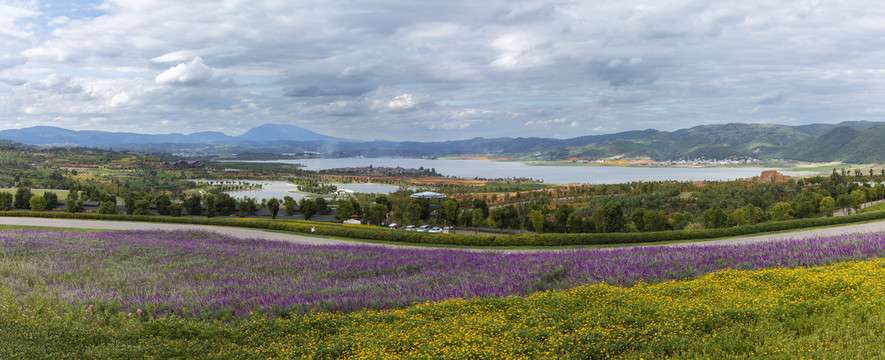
[428, 195]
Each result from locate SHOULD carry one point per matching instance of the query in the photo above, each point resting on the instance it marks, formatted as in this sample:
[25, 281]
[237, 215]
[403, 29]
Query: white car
[448, 230]
[435, 230]
[409, 228]
[423, 228]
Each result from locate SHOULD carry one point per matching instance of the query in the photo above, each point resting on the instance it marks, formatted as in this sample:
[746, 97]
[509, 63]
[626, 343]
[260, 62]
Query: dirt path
[251, 233]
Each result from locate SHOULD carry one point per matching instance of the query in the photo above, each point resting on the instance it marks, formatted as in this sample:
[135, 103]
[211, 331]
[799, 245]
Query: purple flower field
[206, 275]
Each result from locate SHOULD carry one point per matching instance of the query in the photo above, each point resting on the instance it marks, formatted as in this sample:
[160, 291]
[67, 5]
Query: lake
[470, 169]
[279, 189]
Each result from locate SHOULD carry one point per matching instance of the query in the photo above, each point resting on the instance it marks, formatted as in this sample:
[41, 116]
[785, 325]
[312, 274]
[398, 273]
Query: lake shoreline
[550, 174]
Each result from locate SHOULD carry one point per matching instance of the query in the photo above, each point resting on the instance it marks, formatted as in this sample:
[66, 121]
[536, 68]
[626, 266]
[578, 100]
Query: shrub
[547, 239]
[37, 203]
[6, 201]
[22, 198]
[174, 209]
[108, 208]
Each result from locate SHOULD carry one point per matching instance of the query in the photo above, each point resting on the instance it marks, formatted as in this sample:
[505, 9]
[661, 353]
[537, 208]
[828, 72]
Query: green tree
[858, 198]
[142, 207]
[51, 200]
[209, 201]
[290, 205]
[615, 221]
[344, 209]
[308, 208]
[37, 203]
[844, 201]
[73, 204]
[638, 218]
[424, 204]
[598, 219]
[449, 211]
[714, 218]
[175, 209]
[273, 205]
[225, 205]
[740, 217]
[574, 223]
[382, 199]
[194, 205]
[679, 221]
[322, 206]
[108, 208]
[781, 211]
[535, 217]
[482, 205]
[828, 205]
[22, 198]
[358, 209]
[505, 217]
[6, 201]
[478, 217]
[560, 217]
[247, 206]
[377, 213]
[129, 200]
[879, 191]
[754, 214]
[162, 203]
[655, 220]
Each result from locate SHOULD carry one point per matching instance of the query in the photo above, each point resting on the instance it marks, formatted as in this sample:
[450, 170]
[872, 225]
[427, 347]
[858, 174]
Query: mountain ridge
[854, 141]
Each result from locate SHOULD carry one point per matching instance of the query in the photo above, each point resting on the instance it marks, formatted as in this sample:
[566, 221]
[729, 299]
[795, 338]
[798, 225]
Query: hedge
[549, 239]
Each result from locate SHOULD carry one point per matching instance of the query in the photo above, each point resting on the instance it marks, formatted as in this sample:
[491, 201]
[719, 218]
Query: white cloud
[121, 99]
[545, 123]
[191, 74]
[490, 68]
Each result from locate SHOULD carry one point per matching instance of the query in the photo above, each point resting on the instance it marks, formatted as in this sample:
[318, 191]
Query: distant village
[681, 162]
[381, 170]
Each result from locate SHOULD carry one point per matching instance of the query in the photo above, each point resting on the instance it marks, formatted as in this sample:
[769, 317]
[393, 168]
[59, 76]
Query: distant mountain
[820, 129]
[842, 144]
[281, 132]
[857, 141]
[55, 136]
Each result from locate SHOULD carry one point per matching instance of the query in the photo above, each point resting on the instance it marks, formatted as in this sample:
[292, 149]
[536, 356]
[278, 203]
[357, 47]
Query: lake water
[470, 169]
[279, 189]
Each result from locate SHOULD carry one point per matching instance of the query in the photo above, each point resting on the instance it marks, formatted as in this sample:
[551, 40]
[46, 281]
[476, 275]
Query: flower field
[206, 275]
[201, 295]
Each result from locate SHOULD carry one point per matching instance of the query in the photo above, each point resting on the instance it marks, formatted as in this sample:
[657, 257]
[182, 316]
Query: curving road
[878, 226]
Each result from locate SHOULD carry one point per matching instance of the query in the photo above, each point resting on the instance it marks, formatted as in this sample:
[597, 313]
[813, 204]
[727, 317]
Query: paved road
[127, 225]
[251, 233]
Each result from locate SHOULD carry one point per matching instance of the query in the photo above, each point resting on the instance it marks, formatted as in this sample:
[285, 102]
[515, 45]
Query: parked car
[410, 228]
[435, 229]
[448, 230]
[393, 226]
[423, 228]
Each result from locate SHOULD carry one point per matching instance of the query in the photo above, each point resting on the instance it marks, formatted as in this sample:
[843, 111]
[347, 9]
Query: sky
[438, 70]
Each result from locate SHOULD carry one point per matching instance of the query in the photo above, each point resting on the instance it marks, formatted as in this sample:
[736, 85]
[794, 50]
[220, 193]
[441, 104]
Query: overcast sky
[438, 70]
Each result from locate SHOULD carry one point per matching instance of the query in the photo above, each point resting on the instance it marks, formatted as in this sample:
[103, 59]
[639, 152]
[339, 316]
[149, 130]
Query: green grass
[877, 207]
[62, 194]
